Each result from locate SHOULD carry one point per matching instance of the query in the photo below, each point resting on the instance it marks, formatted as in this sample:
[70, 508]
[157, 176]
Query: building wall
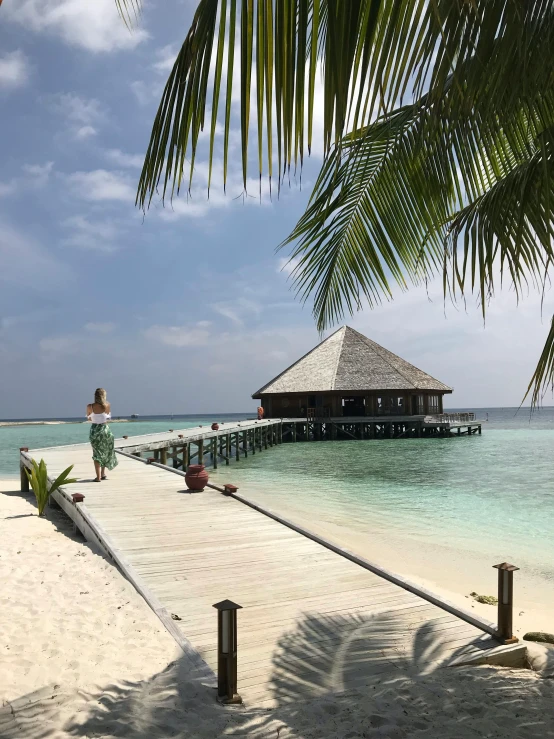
[376, 403]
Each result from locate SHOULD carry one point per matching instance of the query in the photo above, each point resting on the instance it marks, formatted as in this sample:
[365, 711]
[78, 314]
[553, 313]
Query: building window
[434, 404]
[420, 405]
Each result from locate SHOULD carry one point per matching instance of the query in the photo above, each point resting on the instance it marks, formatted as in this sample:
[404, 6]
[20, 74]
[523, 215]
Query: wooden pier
[235, 441]
[314, 618]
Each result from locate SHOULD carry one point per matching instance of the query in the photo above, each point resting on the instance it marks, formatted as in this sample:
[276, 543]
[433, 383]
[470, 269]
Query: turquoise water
[34, 437]
[490, 495]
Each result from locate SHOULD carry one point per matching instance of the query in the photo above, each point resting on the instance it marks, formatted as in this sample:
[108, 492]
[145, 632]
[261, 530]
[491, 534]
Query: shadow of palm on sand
[329, 671]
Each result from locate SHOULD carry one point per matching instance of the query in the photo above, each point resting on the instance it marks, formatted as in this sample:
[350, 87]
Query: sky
[188, 308]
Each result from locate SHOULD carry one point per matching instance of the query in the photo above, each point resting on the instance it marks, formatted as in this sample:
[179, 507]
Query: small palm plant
[38, 479]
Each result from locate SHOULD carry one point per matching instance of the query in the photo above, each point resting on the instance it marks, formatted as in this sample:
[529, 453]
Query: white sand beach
[83, 655]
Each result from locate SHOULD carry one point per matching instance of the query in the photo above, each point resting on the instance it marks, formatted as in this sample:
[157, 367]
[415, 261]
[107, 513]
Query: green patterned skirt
[102, 442]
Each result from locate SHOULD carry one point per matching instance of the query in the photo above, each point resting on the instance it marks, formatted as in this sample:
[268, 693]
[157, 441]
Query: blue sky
[186, 310]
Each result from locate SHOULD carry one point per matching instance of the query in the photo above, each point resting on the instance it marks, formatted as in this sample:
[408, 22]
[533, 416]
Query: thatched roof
[349, 361]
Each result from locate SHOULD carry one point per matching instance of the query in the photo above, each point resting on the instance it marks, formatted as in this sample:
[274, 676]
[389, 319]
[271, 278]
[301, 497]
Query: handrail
[455, 417]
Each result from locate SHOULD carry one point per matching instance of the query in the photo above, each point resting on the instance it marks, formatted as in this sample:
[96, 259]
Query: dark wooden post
[200, 444]
[237, 446]
[227, 652]
[163, 455]
[245, 443]
[214, 452]
[185, 457]
[228, 449]
[23, 475]
[506, 602]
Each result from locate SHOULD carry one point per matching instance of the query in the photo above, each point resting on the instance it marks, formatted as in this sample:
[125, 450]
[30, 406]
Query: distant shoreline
[59, 423]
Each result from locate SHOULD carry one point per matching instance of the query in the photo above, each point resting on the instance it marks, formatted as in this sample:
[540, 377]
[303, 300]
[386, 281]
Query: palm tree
[438, 133]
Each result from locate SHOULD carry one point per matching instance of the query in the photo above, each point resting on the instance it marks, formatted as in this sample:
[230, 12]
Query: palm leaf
[458, 180]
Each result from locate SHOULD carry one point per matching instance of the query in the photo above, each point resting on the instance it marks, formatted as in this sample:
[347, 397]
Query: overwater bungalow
[348, 375]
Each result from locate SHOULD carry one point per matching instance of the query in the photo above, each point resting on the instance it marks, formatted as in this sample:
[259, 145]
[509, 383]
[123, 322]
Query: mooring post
[506, 602]
[227, 652]
[22, 473]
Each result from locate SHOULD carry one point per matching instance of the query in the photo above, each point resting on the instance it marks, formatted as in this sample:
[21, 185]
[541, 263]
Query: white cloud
[39, 174]
[122, 159]
[166, 58]
[94, 26]
[287, 265]
[100, 328]
[238, 310]
[14, 70]
[100, 184]
[179, 335]
[85, 132]
[96, 235]
[148, 92]
[82, 115]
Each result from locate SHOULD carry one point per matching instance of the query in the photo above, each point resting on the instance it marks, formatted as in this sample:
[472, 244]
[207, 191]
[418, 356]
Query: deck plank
[312, 621]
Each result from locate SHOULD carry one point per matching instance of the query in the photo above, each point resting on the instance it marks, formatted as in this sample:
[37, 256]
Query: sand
[82, 655]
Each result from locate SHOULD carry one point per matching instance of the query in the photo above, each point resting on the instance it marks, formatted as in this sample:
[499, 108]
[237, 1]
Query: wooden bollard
[506, 602]
[229, 489]
[23, 475]
[149, 460]
[78, 497]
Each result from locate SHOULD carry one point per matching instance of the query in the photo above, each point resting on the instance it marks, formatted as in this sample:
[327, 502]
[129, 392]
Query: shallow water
[38, 437]
[489, 497]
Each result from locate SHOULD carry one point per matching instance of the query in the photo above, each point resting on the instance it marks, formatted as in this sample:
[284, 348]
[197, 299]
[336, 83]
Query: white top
[99, 417]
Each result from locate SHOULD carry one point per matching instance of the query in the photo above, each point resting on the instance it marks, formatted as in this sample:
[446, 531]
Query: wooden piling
[23, 475]
[200, 451]
[214, 452]
[163, 455]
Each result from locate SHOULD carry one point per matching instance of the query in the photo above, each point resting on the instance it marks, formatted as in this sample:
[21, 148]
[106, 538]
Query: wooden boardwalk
[312, 621]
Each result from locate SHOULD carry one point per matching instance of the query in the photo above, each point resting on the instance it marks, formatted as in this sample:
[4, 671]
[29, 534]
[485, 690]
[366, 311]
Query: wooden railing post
[22, 473]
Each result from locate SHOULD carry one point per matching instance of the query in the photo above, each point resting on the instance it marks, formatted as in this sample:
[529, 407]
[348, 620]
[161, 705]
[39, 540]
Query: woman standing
[101, 438]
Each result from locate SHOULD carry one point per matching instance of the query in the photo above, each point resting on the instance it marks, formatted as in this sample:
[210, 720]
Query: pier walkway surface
[312, 621]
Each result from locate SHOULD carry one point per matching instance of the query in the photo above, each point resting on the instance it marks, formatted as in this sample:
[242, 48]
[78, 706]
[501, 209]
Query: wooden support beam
[245, 443]
[185, 457]
[163, 455]
[200, 453]
[237, 446]
[228, 449]
[214, 452]
[294, 430]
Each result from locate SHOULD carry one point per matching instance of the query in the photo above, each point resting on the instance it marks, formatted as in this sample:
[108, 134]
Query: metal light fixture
[227, 652]
[506, 602]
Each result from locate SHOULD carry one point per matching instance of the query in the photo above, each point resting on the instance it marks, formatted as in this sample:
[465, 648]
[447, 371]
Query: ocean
[420, 506]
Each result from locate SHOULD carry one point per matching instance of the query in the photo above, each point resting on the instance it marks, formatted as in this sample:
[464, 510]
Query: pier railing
[452, 417]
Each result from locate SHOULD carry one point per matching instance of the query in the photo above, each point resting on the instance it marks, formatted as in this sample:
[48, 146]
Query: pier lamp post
[227, 652]
[506, 602]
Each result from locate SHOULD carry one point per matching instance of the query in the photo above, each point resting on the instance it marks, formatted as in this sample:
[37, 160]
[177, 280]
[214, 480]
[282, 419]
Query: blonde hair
[100, 397]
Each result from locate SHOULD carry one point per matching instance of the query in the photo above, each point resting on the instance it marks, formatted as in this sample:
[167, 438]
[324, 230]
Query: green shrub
[38, 479]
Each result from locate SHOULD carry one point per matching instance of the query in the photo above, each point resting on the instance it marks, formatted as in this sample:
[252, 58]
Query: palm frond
[372, 54]
[543, 378]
